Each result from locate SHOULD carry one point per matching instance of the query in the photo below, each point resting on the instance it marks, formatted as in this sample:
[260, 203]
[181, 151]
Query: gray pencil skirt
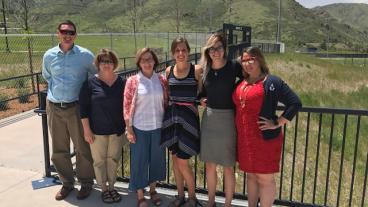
[218, 137]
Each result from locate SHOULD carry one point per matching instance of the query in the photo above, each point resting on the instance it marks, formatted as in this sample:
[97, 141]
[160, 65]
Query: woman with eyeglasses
[180, 130]
[259, 128]
[145, 98]
[101, 100]
[218, 133]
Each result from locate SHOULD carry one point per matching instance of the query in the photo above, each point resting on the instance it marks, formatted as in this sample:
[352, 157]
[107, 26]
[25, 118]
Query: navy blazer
[276, 90]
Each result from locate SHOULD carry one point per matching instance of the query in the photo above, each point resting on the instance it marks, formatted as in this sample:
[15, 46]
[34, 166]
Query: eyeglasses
[147, 60]
[214, 49]
[67, 32]
[248, 60]
[106, 62]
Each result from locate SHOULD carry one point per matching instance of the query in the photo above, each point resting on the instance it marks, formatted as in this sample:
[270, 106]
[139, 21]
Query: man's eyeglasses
[67, 32]
[107, 62]
[248, 60]
[214, 49]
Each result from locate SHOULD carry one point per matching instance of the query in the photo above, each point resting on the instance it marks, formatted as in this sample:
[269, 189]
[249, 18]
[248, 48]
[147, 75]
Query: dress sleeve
[291, 101]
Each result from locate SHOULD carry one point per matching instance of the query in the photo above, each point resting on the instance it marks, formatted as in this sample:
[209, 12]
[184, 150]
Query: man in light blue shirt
[65, 68]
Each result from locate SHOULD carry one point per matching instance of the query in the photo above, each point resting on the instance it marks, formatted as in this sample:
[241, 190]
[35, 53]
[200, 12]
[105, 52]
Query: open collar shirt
[66, 72]
[149, 108]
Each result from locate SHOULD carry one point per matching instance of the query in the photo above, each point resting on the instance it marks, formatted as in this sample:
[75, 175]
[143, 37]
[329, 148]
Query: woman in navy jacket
[259, 139]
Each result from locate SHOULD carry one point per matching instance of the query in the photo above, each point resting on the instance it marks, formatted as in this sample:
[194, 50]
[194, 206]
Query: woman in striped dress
[180, 128]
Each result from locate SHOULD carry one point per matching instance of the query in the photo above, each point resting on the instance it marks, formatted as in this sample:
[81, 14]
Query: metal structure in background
[246, 34]
[317, 146]
[235, 45]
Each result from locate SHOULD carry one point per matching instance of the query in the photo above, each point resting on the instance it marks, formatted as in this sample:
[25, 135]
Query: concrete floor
[21, 162]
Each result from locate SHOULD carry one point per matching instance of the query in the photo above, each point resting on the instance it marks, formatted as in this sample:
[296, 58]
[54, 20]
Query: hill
[355, 15]
[299, 25]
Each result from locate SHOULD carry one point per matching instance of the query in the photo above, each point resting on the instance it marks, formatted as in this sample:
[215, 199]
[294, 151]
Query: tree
[21, 12]
[136, 14]
[209, 12]
[178, 10]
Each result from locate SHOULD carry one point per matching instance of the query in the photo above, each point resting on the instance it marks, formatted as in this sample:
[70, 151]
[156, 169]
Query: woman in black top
[218, 133]
[101, 111]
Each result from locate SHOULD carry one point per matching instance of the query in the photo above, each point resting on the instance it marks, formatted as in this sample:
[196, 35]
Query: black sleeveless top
[182, 89]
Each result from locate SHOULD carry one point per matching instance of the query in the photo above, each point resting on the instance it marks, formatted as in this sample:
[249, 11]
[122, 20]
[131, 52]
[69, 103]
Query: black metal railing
[324, 157]
[19, 88]
[324, 160]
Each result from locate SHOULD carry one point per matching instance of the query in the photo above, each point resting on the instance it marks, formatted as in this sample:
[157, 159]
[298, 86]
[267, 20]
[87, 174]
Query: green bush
[3, 103]
[23, 94]
[21, 82]
[16, 83]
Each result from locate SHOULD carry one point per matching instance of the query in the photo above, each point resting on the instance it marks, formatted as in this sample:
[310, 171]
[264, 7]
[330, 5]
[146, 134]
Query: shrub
[21, 82]
[3, 103]
[23, 94]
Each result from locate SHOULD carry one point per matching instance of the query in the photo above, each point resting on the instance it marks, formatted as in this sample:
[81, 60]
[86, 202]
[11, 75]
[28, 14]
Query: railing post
[124, 64]
[111, 41]
[45, 132]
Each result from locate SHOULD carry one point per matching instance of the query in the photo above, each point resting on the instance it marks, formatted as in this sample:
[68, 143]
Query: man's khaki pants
[106, 152]
[65, 124]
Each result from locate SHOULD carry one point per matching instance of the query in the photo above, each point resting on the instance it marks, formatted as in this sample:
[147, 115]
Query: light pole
[328, 35]
[5, 28]
[278, 32]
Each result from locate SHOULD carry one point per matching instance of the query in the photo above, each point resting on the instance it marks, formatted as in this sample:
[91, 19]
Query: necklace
[245, 88]
[255, 80]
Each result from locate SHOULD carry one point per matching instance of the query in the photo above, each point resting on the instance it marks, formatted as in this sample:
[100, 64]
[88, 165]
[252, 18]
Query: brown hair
[257, 53]
[141, 52]
[104, 54]
[177, 41]
[67, 22]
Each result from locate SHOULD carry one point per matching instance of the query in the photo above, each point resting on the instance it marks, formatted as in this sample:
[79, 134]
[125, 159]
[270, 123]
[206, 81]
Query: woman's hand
[203, 102]
[88, 135]
[266, 124]
[130, 135]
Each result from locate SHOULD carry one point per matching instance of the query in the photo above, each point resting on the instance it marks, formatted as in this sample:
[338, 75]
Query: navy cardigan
[276, 90]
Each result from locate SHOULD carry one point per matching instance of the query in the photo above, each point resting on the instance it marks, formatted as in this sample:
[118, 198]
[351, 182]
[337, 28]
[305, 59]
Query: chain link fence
[22, 54]
[21, 59]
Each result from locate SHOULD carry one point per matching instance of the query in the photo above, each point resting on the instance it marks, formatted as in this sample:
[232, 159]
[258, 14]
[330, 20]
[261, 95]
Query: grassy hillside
[322, 83]
[299, 25]
[355, 15]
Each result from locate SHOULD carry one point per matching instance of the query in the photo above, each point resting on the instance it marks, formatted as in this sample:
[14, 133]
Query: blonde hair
[206, 60]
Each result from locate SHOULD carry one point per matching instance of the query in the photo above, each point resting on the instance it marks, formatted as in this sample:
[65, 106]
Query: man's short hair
[68, 22]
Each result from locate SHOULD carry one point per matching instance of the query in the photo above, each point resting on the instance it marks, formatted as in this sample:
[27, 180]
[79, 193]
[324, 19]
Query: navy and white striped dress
[181, 120]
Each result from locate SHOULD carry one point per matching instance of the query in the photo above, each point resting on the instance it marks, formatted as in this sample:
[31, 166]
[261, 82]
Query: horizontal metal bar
[330, 110]
[22, 76]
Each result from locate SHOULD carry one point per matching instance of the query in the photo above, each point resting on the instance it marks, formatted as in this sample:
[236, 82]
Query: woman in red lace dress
[259, 128]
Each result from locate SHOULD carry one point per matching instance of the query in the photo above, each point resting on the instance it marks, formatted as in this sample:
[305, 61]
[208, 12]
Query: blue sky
[314, 3]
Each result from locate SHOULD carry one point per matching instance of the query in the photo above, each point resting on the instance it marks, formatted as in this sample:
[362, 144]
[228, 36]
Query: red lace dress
[254, 153]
